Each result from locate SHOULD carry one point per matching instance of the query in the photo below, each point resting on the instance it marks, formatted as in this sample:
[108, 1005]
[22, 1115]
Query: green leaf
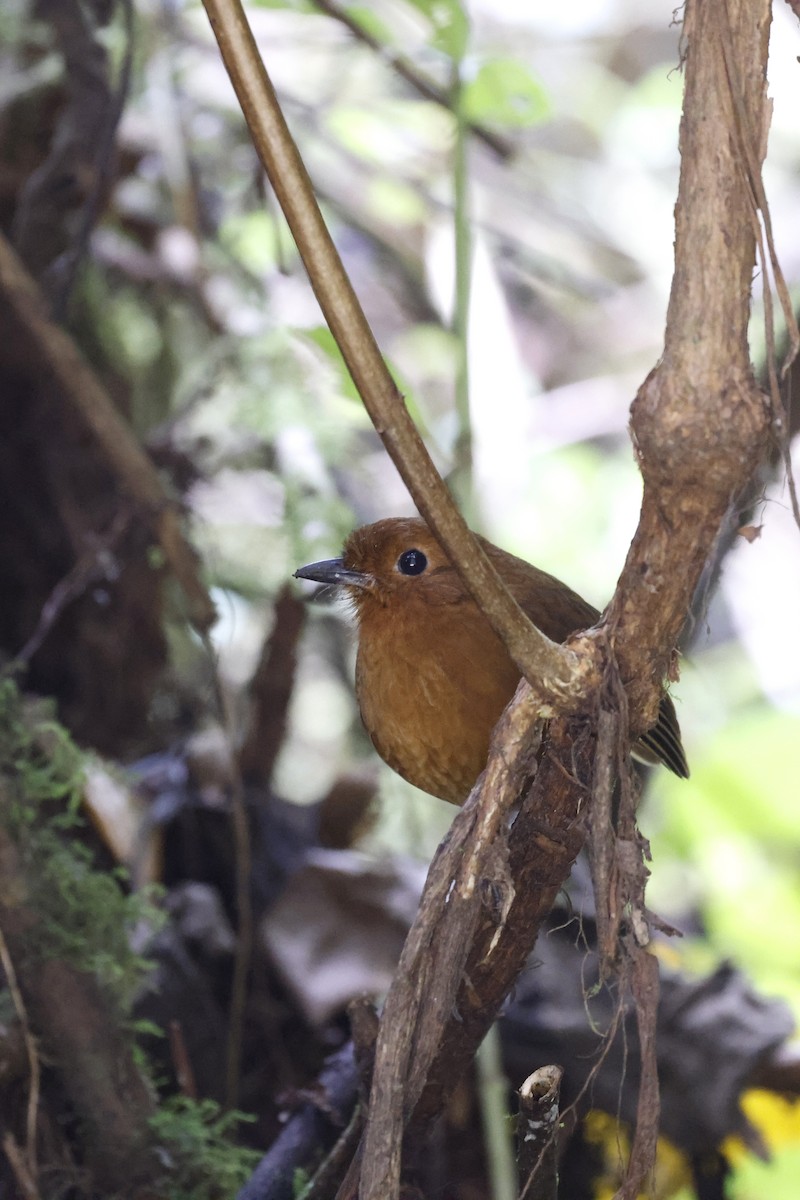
[450, 26]
[322, 337]
[776, 1178]
[367, 19]
[504, 92]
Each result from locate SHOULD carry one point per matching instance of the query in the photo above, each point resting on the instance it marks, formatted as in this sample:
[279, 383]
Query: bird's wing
[558, 611]
[552, 606]
[663, 741]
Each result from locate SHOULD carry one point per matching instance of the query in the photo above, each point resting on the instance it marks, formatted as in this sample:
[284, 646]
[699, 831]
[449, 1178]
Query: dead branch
[537, 1130]
[59, 357]
[307, 1131]
[270, 691]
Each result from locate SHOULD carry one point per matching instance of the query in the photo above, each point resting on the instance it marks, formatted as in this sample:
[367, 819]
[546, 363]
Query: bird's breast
[431, 685]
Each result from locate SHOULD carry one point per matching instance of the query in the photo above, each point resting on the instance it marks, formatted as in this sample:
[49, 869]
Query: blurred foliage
[778, 1118]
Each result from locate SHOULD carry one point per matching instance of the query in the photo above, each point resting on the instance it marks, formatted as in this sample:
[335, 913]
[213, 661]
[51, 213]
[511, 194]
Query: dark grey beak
[332, 571]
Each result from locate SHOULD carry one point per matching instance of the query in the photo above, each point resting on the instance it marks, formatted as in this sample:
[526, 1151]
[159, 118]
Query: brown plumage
[432, 676]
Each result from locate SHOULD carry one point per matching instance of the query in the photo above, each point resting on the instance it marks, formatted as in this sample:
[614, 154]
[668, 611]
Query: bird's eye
[412, 562]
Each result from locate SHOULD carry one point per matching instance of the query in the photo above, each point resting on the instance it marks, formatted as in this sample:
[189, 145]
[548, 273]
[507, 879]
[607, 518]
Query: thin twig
[462, 239]
[33, 1060]
[557, 671]
[333, 1169]
[181, 1062]
[16, 1157]
[90, 566]
[502, 147]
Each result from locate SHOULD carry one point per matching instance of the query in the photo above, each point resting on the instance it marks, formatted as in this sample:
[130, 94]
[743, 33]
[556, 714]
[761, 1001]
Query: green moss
[85, 915]
[203, 1162]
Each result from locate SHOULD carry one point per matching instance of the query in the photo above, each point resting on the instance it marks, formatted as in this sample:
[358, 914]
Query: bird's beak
[333, 571]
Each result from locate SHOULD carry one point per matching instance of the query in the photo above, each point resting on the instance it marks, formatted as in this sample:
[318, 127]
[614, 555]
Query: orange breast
[431, 685]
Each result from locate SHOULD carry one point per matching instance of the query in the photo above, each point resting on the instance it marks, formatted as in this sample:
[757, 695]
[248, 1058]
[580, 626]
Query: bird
[432, 676]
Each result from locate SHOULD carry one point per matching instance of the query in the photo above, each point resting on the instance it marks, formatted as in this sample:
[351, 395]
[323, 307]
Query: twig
[502, 147]
[89, 567]
[20, 1167]
[543, 843]
[558, 672]
[59, 357]
[699, 422]
[462, 236]
[537, 1130]
[34, 1073]
[332, 1171]
[645, 988]
[181, 1062]
[307, 1132]
[752, 154]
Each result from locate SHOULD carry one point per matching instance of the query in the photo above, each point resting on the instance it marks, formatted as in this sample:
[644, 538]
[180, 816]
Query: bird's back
[552, 606]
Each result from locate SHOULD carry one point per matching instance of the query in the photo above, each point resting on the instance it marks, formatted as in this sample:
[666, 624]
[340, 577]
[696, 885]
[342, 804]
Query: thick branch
[543, 844]
[699, 422]
[483, 904]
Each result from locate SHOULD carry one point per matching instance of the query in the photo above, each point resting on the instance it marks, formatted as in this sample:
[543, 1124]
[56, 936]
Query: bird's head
[394, 561]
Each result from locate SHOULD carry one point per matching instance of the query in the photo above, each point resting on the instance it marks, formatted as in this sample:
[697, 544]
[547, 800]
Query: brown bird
[432, 676]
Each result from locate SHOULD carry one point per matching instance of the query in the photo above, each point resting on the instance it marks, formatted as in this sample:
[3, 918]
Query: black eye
[412, 562]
